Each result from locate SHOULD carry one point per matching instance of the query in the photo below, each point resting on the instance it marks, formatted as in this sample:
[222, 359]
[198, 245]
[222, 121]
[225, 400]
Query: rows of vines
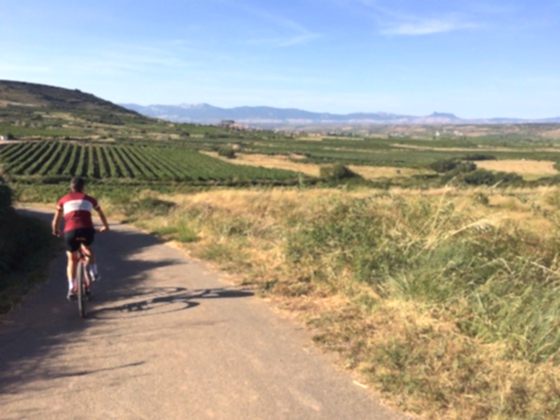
[149, 163]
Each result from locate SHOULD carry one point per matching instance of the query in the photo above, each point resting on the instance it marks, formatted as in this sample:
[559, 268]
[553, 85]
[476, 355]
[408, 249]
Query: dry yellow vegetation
[471, 150]
[552, 134]
[376, 172]
[442, 299]
[525, 168]
[271, 162]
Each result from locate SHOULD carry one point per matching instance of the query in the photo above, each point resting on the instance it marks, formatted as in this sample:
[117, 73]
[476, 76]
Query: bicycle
[83, 280]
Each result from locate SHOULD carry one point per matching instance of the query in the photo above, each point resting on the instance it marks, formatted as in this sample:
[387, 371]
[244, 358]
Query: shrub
[455, 165]
[479, 156]
[484, 177]
[445, 165]
[226, 152]
[337, 172]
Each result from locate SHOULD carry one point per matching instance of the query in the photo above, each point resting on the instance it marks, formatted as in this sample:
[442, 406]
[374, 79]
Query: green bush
[484, 177]
[495, 281]
[452, 165]
[337, 172]
[479, 156]
[227, 152]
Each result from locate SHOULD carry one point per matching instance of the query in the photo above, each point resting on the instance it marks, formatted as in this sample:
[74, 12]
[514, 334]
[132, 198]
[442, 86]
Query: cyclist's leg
[87, 250]
[71, 269]
[72, 247]
[88, 253]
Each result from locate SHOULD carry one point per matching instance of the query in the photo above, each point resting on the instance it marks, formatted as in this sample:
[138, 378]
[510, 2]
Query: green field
[375, 151]
[40, 160]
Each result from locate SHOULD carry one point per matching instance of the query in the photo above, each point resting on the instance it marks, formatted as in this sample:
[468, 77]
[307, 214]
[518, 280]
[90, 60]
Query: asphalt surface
[166, 338]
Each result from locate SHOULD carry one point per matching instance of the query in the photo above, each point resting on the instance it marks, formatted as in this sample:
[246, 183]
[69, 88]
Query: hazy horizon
[475, 59]
[438, 111]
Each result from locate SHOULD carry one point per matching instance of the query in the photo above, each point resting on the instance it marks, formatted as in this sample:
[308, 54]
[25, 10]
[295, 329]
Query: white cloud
[291, 32]
[286, 41]
[394, 20]
[426, 27]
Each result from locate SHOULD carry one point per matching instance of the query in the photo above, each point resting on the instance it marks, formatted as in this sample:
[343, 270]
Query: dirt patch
[375, 172]
[552, 134]
[530, 168]
[472, 149]
[271, 162]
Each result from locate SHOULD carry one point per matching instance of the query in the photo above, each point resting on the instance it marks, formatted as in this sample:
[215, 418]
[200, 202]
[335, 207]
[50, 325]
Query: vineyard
[56, 159]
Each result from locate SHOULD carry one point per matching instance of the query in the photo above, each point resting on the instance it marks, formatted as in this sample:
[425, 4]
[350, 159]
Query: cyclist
[76, 208]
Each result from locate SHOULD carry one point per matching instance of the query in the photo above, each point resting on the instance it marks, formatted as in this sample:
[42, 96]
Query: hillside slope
[32, 95]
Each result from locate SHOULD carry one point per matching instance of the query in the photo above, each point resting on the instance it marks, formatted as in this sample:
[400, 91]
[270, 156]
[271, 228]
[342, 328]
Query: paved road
[167, 338]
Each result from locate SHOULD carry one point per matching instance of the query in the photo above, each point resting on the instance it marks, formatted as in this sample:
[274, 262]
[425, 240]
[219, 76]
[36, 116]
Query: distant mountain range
[270, 116]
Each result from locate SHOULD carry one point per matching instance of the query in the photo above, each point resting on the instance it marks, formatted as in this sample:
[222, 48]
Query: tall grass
[500, 283]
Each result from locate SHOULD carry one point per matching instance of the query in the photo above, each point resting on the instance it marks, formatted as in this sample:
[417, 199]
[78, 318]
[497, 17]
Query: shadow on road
[46, 325]
[165, 300]
[92, 371]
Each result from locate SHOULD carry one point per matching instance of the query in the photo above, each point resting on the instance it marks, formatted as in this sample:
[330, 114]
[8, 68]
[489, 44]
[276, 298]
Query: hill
[32, 95]
[36, 111]
[31, 111]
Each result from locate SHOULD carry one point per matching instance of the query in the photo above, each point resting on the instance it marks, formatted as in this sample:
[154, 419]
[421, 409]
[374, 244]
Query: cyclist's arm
[56, 222]
[103, 219]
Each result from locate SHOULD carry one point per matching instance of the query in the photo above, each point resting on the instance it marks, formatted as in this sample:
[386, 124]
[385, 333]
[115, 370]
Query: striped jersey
[77, 208]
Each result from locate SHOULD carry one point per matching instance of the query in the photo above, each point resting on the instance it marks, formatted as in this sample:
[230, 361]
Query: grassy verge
[25, 249]
[447, 301]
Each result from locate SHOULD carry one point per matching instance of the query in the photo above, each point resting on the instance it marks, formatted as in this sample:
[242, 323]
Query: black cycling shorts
[75, 238]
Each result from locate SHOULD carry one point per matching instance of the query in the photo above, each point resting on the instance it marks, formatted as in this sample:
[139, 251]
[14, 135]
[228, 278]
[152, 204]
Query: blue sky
[474, 58]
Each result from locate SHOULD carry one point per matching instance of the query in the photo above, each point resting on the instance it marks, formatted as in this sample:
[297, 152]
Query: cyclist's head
[77, 184]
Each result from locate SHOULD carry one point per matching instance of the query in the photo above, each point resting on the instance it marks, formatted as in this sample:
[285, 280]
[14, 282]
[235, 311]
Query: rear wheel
[80, 279]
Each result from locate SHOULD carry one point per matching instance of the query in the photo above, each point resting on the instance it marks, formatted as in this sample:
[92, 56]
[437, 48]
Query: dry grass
[525, 168]
[271, 162]
[414, 351]
[317, 137]
[552, 134]
[376, 172]
[471, 150]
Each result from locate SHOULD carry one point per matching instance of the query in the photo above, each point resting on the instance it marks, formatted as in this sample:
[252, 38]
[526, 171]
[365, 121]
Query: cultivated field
[44, 159]
[527, 168]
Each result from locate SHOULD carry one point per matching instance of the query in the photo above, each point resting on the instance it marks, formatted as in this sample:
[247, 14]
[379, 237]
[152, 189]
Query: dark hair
[77, 184]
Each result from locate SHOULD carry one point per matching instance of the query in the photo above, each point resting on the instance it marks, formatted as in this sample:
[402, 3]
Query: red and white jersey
[77, 208]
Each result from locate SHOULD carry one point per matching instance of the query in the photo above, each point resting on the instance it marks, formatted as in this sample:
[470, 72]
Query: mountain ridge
[267, 115]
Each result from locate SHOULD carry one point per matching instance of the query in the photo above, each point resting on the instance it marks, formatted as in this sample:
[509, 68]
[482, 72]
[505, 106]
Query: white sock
[71, 284]
[93, 269]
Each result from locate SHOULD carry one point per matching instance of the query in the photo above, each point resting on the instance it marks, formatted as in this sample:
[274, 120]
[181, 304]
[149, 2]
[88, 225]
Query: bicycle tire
[80, 273]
